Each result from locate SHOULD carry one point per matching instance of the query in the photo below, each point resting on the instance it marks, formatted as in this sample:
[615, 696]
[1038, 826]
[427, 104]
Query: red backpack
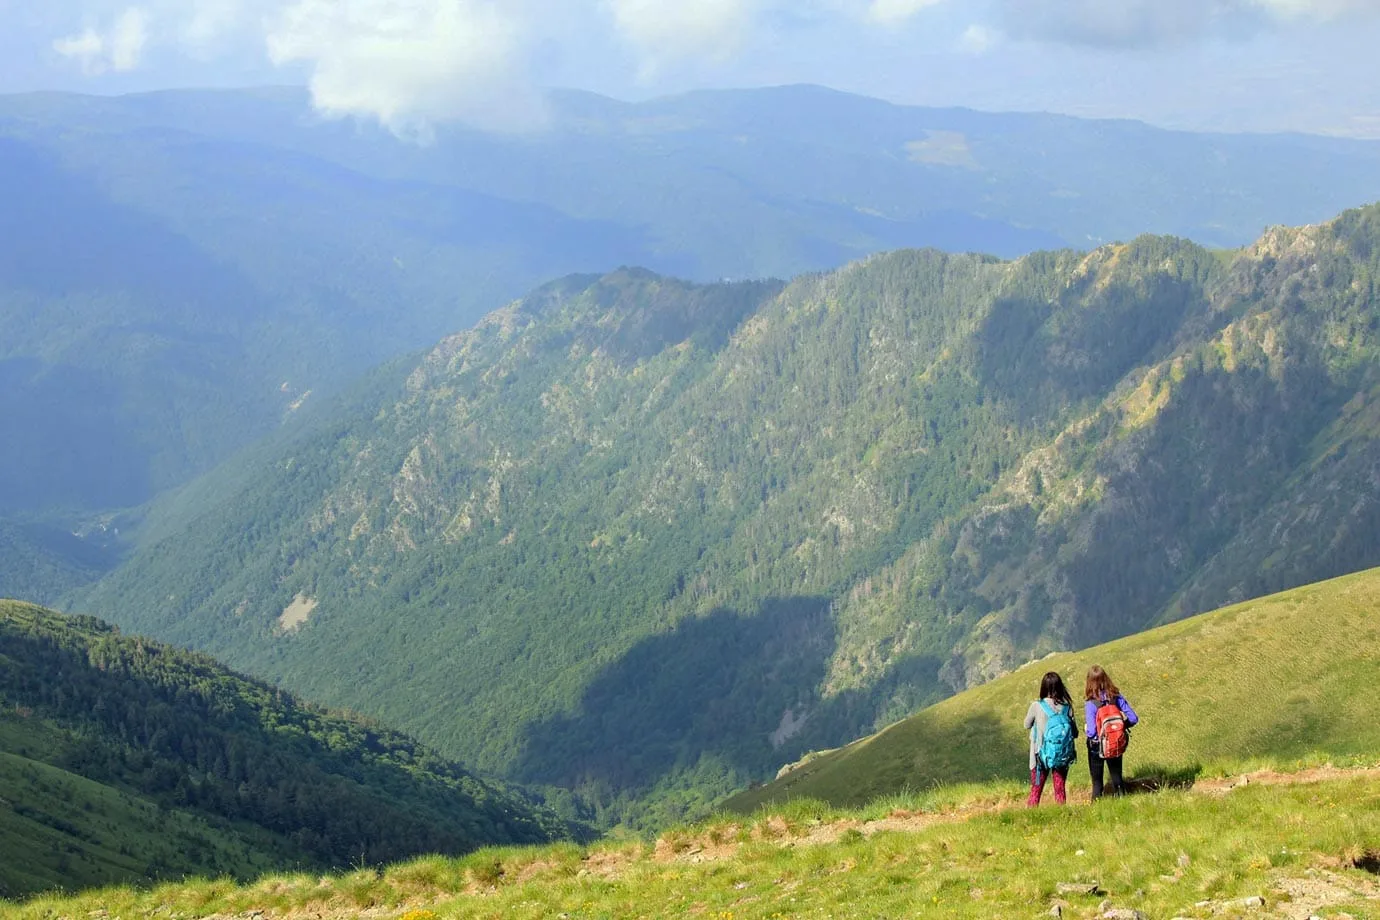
[1112, 736]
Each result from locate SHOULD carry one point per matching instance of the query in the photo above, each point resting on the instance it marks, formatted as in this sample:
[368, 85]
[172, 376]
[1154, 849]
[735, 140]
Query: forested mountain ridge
[166, 300]
[183, 272]
[657, 538]
[133, 729]
[1244, 463]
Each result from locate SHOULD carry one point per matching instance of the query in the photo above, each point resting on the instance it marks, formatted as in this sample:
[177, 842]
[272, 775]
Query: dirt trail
[723, 843]
[1315, 890]
[1271, 778]
[909, 821]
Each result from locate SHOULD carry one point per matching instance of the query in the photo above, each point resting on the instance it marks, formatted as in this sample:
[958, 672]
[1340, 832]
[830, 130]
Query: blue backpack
[1057, 750]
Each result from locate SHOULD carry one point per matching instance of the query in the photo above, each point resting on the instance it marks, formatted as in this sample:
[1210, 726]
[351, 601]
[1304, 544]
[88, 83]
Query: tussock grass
[1160, 853]
[1284, 681]
[871, 830]
[66, 830]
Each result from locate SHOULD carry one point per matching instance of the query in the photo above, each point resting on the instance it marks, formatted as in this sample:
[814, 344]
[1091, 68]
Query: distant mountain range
[182, 272]
[122, 760]
[648, 539]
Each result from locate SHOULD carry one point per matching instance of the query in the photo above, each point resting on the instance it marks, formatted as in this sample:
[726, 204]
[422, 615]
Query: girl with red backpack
[1052, 732]
[1109, 719]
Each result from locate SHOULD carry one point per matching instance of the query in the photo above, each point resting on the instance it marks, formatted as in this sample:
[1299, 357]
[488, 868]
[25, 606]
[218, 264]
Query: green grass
[130, 761]
[1281, 680]
[1162, 854]
[60, 830]
[910, 823]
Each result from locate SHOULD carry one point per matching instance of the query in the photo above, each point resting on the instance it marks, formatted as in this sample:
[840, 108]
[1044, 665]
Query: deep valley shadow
[717, 685]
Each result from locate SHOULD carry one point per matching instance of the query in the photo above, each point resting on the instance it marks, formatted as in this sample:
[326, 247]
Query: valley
[661, 537]
[188, 272]
[669, 508]
[122, 760]
[1251, 812]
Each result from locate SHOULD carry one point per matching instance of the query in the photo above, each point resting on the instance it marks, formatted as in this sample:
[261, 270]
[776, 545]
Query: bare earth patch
[1317, 890]
[1272, 778]
[943, 148]
[1303, 893]
[296, 614]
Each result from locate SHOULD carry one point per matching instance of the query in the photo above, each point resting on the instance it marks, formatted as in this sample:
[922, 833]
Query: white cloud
[86, 48]
[120, 48]
[413, 63]
[127, 40]
[685, 29]
[977, 39]
[890, 12]
[410, 63]
[1133, 23]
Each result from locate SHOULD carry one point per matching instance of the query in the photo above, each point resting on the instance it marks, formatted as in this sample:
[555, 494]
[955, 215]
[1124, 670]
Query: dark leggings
[1095, 763]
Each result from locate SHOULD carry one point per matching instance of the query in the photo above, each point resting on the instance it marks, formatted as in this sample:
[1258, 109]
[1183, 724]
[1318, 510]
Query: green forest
[648, 540]
[137, 726]
[187, 272]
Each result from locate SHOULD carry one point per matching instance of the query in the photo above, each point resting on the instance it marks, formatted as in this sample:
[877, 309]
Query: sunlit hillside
[1282, 677]
[1294, 846]
[123, 760]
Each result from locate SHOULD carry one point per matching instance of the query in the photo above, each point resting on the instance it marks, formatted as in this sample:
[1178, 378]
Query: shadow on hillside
[1044, 355]
[917, 756]
[713, 687]
[1154, 778]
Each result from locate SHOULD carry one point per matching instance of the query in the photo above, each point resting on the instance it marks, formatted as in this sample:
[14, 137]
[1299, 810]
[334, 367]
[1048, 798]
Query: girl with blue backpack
[1052, 734]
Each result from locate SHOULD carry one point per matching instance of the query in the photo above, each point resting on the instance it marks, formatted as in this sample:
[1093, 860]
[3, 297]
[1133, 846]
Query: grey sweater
[1035, 722]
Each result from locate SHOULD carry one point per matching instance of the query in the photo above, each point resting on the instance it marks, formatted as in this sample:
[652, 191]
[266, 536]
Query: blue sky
[1306, 65]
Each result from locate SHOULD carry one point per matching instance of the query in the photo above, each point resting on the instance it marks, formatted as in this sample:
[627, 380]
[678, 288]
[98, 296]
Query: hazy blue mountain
[809, 177]
[44, 561]
[169, 299]
[183, 272]
[648, 539]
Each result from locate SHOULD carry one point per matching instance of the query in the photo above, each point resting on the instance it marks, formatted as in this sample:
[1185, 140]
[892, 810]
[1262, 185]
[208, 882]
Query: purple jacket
[1090, 711]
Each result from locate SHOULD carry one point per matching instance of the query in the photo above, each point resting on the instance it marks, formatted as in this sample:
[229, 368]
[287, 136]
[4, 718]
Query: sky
[1231, 65]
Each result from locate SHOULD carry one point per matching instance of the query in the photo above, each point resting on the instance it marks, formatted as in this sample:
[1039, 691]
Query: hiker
[1108, 718]
[1052, 734]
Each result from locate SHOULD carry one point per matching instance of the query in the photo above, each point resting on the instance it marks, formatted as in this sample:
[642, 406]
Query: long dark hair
[1100, 688]
[1052, 688]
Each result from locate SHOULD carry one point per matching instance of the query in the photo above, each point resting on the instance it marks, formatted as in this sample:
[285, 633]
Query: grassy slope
[1179, 853]
[1283, 676]
[1286, 677]
[125, 761]
[60, 830]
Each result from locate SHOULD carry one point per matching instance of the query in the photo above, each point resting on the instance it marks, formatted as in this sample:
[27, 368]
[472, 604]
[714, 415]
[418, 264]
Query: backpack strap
[1045, 707]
